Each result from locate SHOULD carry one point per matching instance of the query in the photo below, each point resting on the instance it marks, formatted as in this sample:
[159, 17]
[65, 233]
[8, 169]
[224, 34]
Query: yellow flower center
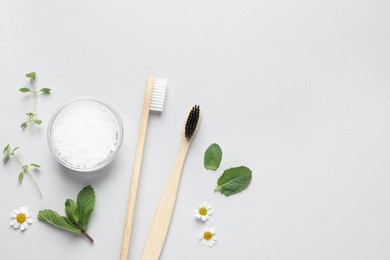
[207, 235]
[203, 211]
[21, 217]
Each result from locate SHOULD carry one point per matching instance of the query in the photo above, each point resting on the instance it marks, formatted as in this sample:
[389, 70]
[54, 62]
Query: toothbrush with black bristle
[163, 215]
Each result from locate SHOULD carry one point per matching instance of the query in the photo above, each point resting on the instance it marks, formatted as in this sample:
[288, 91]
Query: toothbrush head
[192, 123]
[158, 94]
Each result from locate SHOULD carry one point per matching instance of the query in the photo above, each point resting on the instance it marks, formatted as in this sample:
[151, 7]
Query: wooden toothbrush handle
[136, 170]
[162, 217]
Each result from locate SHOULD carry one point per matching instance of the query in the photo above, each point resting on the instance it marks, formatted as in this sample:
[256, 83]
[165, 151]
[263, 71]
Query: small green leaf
[20, 177]
[71, 211]
[212, 157]
[35, 165]
[24, 90]
[25, 167]
[31, 75]
[45, 90]
[6, 158]
[57, 220]
[6, 148]
[38, 122]
[13, 151]
[23, 125]
[30, 114]
[234, 180]
[85, 204]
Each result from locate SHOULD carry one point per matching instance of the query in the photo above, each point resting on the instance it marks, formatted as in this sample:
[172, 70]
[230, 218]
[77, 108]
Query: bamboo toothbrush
[162, 217]
[153, 100]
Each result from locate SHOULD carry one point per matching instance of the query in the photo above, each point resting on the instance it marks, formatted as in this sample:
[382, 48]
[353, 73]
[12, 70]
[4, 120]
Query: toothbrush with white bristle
[154, 100]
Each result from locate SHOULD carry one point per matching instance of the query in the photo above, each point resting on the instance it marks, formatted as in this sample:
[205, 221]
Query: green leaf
[57, 220]
[13, 151]
[45, 90]
[234, 180]
[35, 165]
[20, 177]
[31, 75]
[71, 211]
[6, 148]
[23, 125]
[24, 90]
[6, 158]
[38, 122]
[30, 114]
[212, 157]
[85, 204]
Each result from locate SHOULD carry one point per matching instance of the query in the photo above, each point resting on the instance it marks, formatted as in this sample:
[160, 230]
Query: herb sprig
[77, 213]
[32, 116]
[8, 152]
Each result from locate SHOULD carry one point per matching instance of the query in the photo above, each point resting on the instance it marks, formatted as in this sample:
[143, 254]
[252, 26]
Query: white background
[296, 90]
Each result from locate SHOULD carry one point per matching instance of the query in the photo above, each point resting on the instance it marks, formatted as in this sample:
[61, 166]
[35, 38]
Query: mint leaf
[35, 165]
[23, 125]
[13, 151]
[57, 220]
[20, 177]
[6, 158]
[85, 204]
[38, 122]
[6, 148]
[31, 75]
[71, 211]
[45, 90]
[212, 157]
[234, 180]
[24, 90]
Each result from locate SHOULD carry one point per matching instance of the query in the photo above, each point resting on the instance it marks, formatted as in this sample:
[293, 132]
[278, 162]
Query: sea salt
[85, 133]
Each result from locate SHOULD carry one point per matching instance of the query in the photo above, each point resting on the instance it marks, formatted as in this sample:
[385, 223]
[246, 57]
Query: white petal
[205, 217]
[198, 215]
[210, 212]
[211, 242]
[203, 241]
[199, 205]
[23, 210]
[212, 230]
[12, 222]
[16, 211]
[196, 210]
[204, 204]
[215, 238]
[29, 220]
[22, 226]
[209, 206]
[200, 236]
[28, 214]
[13, 214]
[16, 225]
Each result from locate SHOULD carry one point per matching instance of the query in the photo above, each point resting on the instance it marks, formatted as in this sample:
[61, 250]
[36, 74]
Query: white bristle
[158, 94]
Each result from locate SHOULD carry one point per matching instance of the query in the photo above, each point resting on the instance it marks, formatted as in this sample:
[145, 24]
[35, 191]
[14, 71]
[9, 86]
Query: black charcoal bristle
[192, 122]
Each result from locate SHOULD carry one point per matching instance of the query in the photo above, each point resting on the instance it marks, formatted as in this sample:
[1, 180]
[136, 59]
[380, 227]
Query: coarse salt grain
[85, 133]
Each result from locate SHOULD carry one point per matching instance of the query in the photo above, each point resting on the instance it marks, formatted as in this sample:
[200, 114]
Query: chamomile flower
[21, 218]
[208, 237]
[203, 211]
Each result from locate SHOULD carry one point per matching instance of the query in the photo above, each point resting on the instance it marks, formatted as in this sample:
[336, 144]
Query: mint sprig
[32, 116]
[212, 157]
[77, 213]
[234, 180]
[8, 152]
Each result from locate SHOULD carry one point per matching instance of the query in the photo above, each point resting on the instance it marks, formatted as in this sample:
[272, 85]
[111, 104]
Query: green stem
[29, 172]
[84, 233]
[34, 107]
